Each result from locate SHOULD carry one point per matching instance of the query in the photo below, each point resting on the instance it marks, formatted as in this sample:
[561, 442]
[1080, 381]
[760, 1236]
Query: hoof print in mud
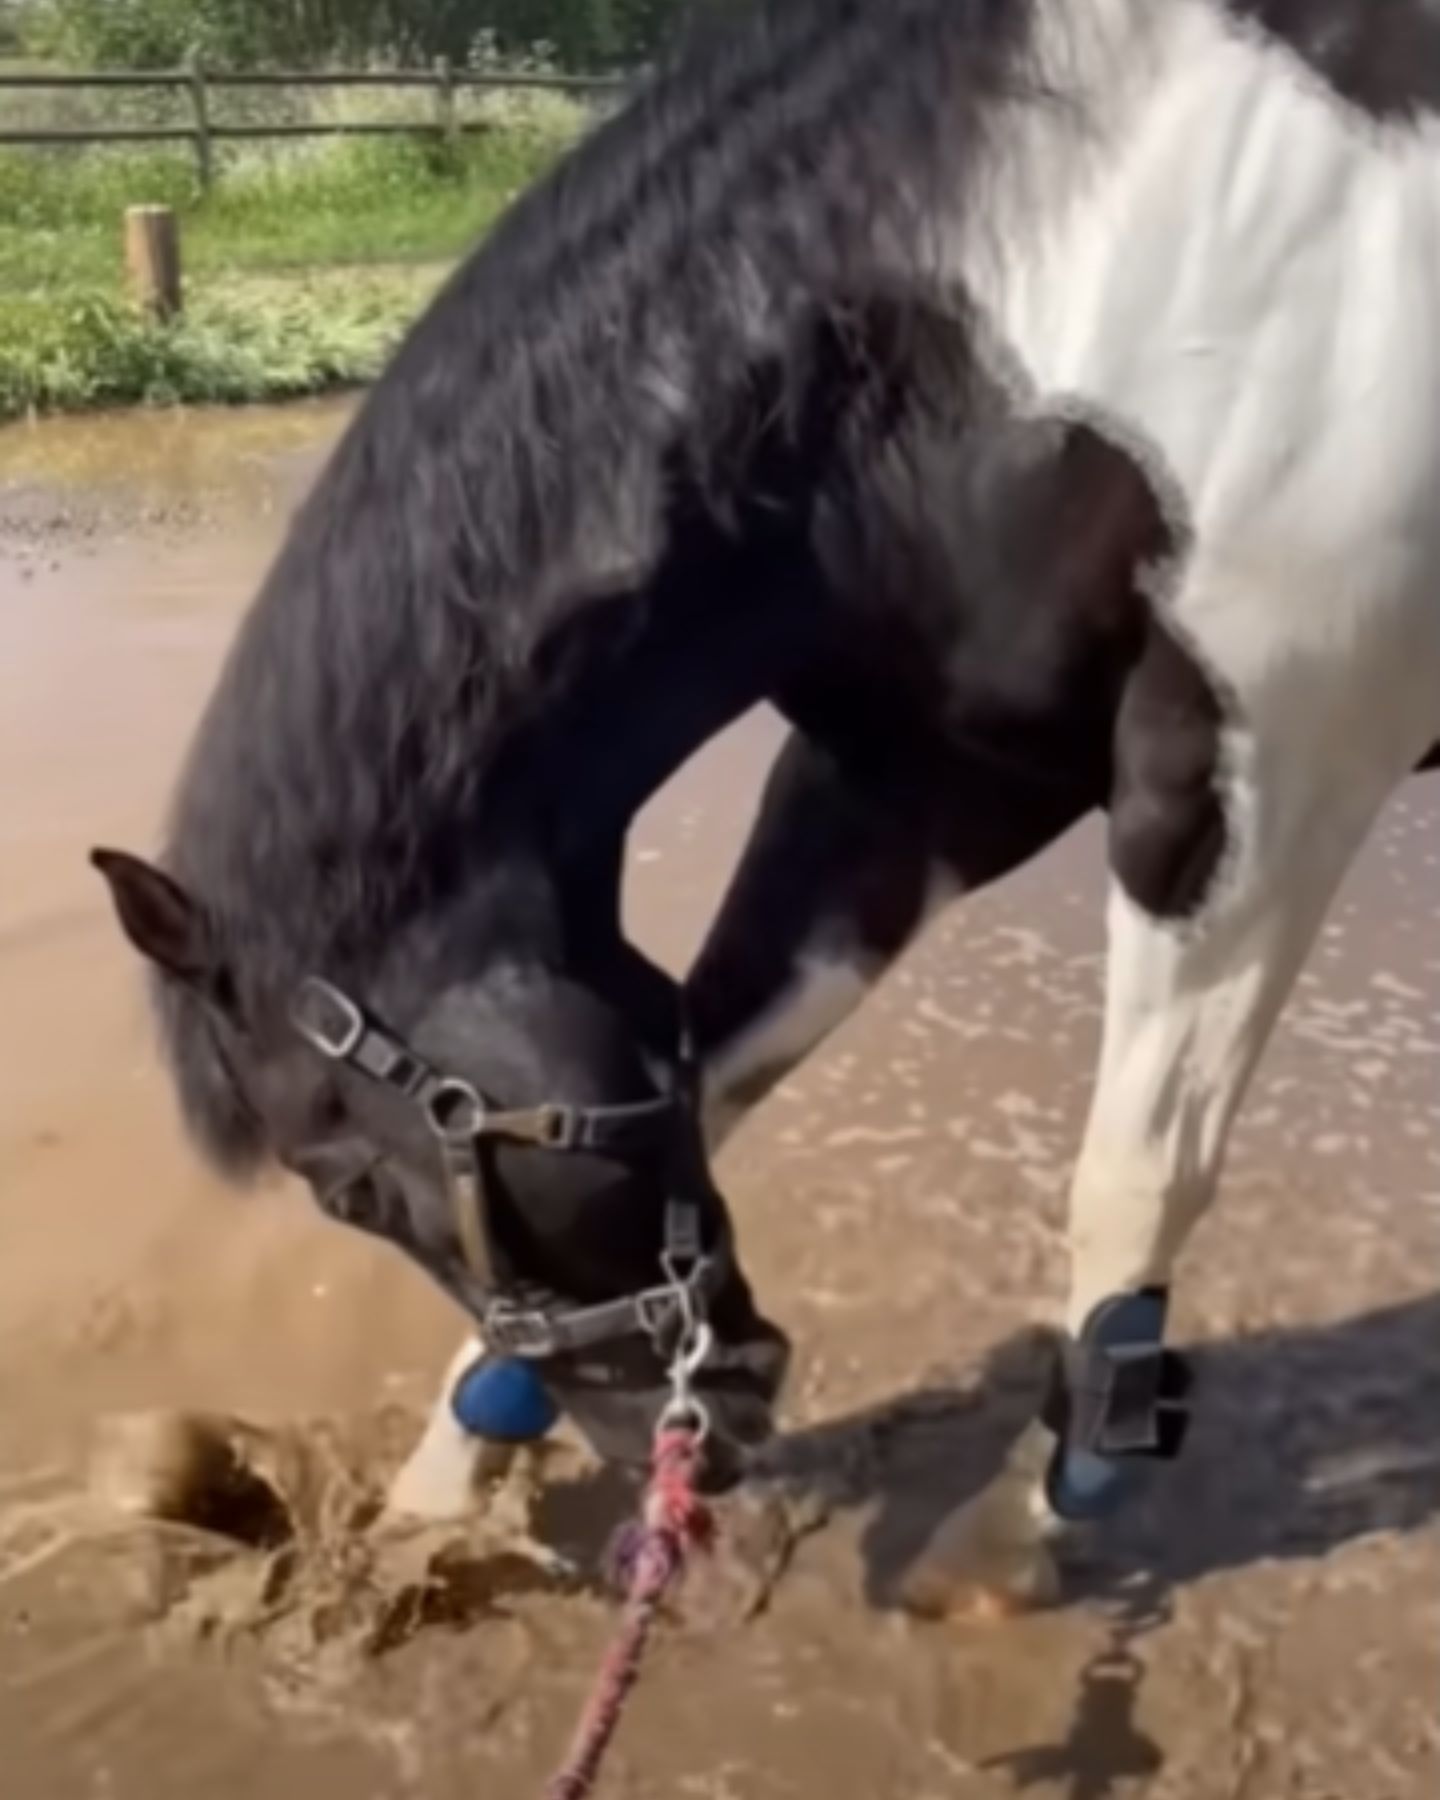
[280, 1534]
[192, 1469]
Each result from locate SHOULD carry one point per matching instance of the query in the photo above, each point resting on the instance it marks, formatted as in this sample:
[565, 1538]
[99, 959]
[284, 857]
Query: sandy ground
[1267, 1626]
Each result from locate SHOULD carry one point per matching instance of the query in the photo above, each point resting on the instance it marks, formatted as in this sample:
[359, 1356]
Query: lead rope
[649, 1557]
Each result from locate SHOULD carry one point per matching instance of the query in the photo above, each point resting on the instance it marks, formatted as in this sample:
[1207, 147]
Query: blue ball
[503, 1401]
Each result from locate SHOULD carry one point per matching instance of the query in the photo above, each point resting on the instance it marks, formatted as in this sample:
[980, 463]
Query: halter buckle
[522, 1332]
[560, 1128]
[328, 1020]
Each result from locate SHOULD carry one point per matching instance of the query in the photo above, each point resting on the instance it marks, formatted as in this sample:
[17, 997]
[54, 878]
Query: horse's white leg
[441, 1476]
[1191, 1001]
[1188, 1013]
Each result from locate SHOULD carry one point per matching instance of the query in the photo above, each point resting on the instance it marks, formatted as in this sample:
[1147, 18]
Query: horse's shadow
[1303, 1439]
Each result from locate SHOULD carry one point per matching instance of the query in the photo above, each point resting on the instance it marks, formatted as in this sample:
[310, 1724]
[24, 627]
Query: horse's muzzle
[618, 1416]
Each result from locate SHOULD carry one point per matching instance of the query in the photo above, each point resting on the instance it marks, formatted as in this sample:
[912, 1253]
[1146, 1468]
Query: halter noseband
[460, 1119]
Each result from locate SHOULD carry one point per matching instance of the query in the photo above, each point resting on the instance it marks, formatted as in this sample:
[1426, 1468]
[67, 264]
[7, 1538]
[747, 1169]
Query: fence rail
[444, 81]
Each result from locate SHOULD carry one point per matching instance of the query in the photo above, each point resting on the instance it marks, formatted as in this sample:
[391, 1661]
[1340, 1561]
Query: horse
[1036, 402]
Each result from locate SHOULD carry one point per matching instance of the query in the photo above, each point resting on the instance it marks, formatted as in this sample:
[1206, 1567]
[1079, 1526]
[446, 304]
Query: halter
[461, 1120]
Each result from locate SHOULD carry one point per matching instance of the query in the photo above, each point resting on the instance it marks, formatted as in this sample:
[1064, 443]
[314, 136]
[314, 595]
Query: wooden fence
[444, 81]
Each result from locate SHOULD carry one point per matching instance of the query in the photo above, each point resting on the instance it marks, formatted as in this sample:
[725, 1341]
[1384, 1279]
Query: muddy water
[1265, 1627]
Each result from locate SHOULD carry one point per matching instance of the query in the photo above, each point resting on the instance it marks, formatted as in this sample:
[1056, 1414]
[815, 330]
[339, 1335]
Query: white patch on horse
[1243, 272]
[439, 1479]
[1199, 242]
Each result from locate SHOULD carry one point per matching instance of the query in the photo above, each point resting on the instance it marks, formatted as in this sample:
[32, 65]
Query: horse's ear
[160, 919]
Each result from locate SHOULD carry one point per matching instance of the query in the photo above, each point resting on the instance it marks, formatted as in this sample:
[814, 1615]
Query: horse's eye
[328, 1114]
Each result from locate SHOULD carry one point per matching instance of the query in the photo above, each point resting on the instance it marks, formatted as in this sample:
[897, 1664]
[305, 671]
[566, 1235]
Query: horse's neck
[650, 679]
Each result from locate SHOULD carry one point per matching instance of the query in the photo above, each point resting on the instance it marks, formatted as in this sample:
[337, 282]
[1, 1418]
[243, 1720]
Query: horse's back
[1242, 273]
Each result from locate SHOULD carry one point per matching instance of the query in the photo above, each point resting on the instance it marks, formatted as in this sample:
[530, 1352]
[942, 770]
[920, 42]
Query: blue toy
[503, 1401]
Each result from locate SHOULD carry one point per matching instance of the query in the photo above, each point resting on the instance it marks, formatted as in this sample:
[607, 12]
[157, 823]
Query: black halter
[460, 1119]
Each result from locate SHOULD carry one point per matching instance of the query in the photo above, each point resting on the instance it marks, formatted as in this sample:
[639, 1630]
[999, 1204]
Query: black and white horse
[1038, 401]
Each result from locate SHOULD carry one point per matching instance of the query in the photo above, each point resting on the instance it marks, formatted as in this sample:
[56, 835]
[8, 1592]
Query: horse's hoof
[984, 1595]
[994, 1558]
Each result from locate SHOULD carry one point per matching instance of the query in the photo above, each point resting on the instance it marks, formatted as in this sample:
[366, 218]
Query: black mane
[519, 459]
[512, 462]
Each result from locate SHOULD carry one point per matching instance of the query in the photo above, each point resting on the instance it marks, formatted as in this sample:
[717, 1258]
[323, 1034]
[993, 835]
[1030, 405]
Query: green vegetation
[159, 33]
[303, 266]
[90, 350]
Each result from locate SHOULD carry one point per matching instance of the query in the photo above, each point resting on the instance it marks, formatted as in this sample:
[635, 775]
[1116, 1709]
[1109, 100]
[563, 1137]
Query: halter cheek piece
[461, 1120]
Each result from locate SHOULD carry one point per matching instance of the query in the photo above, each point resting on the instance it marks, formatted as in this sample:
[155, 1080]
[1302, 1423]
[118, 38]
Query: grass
[90, 349]
[303, 265]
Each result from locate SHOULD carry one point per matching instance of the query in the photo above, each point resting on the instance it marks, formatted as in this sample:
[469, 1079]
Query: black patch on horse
[1382, 56]
[1167, 824]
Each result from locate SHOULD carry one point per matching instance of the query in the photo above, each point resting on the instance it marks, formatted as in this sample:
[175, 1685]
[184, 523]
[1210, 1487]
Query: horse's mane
[512, 460]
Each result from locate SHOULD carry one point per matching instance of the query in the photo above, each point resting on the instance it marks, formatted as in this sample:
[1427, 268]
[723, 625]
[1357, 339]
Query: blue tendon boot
[1120, 1400]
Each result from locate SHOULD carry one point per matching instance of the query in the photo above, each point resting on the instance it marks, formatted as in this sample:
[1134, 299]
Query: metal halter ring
[455, 1113]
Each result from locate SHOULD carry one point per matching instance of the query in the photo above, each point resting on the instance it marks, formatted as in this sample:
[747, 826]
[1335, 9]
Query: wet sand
[1267, 1626]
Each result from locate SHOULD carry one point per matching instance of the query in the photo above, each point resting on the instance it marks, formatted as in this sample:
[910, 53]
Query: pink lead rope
[650, 1557]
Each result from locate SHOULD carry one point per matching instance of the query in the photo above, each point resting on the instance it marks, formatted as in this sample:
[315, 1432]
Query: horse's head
[511, 1130]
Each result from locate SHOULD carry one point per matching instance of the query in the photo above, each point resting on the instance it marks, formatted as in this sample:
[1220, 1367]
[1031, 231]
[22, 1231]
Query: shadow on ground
[1304, 1440]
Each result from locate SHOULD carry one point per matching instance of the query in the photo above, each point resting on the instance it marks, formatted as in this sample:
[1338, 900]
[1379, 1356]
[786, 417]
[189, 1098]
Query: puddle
[1293, 1645]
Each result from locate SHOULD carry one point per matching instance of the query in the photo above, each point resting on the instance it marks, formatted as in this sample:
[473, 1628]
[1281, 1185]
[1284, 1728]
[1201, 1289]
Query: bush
[285, 290]
[315, 203]
[286, 293]
[92, 350]
[159, 34]
[147, 34]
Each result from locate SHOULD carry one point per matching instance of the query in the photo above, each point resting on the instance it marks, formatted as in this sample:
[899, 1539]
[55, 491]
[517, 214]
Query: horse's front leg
[443, 1475]
[847, 858]
[850, 855]
[837, 876]
[1218, 889]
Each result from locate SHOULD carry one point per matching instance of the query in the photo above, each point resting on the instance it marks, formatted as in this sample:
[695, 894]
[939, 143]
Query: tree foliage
[576, 34]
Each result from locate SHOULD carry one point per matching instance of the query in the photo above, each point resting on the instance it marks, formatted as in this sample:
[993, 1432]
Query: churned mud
[1265, 1627]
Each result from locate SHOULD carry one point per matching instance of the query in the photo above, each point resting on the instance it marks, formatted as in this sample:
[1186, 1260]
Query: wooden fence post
[152, 259]
[446, 110]
[200, 104]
